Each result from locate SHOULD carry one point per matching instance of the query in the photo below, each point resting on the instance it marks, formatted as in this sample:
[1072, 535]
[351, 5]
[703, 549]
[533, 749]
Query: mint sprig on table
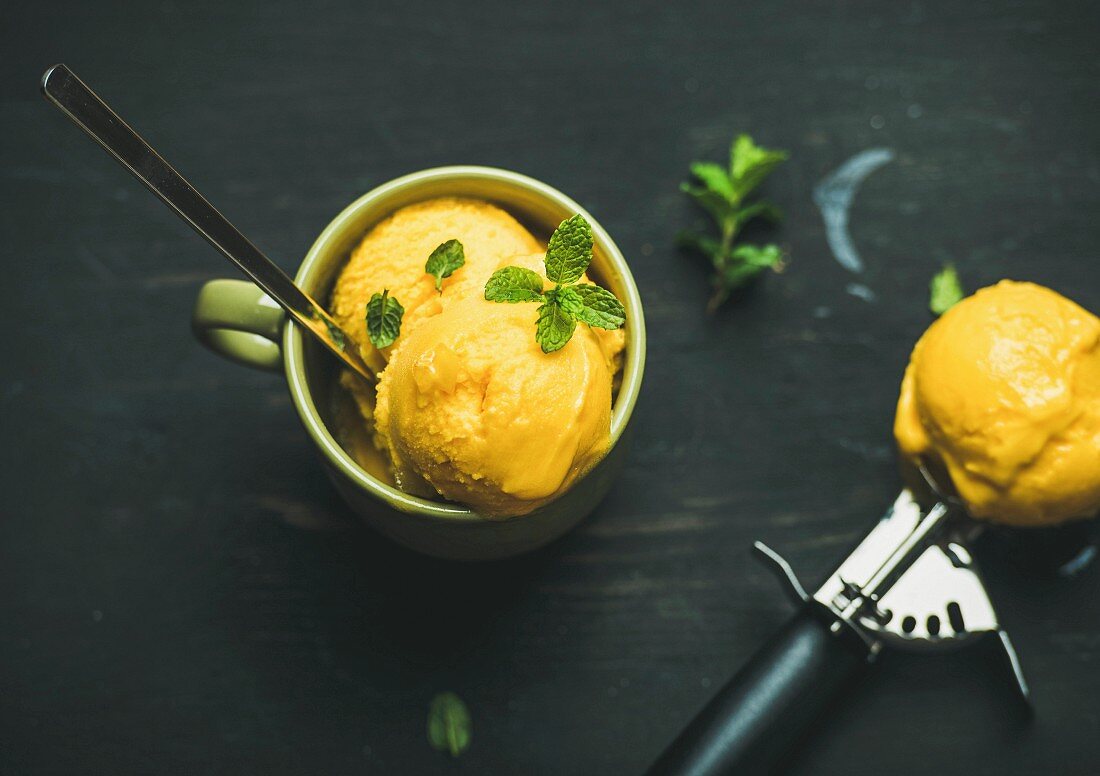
[444, 261]
[449, 725]
[945, 290]
[567, 257]
[722, 192]
[384, 315]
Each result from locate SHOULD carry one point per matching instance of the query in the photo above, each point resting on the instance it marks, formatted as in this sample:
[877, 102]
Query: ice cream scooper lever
[911, 583]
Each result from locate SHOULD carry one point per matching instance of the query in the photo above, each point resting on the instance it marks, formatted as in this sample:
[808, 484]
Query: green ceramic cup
[236, 320]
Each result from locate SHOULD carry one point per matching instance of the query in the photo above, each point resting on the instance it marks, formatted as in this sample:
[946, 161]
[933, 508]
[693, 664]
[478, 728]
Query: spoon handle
[73, 97]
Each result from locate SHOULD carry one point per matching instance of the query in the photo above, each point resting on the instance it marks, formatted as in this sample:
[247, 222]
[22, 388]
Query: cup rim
[294, 359]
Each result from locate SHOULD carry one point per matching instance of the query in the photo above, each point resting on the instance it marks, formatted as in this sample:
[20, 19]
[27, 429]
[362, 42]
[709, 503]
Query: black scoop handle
[761, 711]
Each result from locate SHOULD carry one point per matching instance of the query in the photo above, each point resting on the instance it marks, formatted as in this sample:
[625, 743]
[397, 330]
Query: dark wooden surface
[182, 592]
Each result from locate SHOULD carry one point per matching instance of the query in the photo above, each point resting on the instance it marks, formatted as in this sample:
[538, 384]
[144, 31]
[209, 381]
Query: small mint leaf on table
[722, 195]
[449, 724]
[707, 245]
[444, 261]
[384, 315]
[759, 257]
[737, 276]
[764, 210]
[746, 263]
[514, 284]
[750, 164]
[945, 290]
[599, 307]
[715, 179]
[715, 205]
[569, 251]
[555, 326]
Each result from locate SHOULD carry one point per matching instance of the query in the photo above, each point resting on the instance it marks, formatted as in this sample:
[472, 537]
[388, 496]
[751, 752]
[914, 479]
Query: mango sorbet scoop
[1003, 393]
[468, 407]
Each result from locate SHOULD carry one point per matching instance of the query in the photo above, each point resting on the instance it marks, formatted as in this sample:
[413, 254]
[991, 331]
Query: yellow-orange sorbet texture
[468, 407]
[1003, 391]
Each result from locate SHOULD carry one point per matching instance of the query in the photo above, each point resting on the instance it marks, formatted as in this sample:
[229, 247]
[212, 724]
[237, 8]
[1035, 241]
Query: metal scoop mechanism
[912, 582]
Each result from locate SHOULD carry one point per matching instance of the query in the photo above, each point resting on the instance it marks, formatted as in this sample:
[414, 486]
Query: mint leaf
[744, 264]
[764, 210]
[945, 290]
[738, 275]
[715, 205]
[722, 194]
[751, 260]
[384, 314]
[708, 245]
[449, 724]
[555, 326]
[600, 307]
[570, 250]
[760, 257]
[750, 164]
[567, 298]
[567, 257]
[444, 261]
[514, 284]
[715, 178]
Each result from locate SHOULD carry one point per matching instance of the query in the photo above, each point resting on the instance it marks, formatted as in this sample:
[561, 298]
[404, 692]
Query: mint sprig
[569, 251]
[514, 284]
[599, 307]
[568, 255]
[945, 290]
[384, 315]
[555, 326]
[449, 724]
[721, 192]
[444, 261]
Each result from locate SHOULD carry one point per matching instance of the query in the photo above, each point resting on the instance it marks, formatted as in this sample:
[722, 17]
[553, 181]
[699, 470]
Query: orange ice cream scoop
[470, 404]
[1003, 390]
[392, 256]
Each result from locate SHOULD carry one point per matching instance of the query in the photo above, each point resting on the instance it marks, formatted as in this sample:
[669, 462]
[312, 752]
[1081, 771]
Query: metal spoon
[61, 87]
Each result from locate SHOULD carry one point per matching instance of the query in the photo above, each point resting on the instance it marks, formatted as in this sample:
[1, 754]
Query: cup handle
[237, 320]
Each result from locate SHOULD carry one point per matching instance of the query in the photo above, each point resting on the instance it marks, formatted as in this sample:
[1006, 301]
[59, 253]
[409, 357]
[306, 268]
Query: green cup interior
[311, 372]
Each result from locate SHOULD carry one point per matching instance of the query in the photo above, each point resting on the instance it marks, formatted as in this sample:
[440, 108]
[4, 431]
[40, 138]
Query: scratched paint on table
[834, 196]
[1078, 562]
[861, 291]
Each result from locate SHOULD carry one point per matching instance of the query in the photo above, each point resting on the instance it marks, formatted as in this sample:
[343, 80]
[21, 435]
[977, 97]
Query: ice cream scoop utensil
[910, 583]
[85, 109]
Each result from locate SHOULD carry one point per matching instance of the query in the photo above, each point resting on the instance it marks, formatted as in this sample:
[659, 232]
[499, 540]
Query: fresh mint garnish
[514, 284]
[945, 290]
[449, 724]
[555, 326]
[599, 307]
[384, 314]
[570, 251]
[750, 164]
[567, 298]
[567, 257]
[444, 261]
[721, 192]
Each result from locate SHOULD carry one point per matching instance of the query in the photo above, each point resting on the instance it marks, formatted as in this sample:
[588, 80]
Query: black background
[182, 592]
